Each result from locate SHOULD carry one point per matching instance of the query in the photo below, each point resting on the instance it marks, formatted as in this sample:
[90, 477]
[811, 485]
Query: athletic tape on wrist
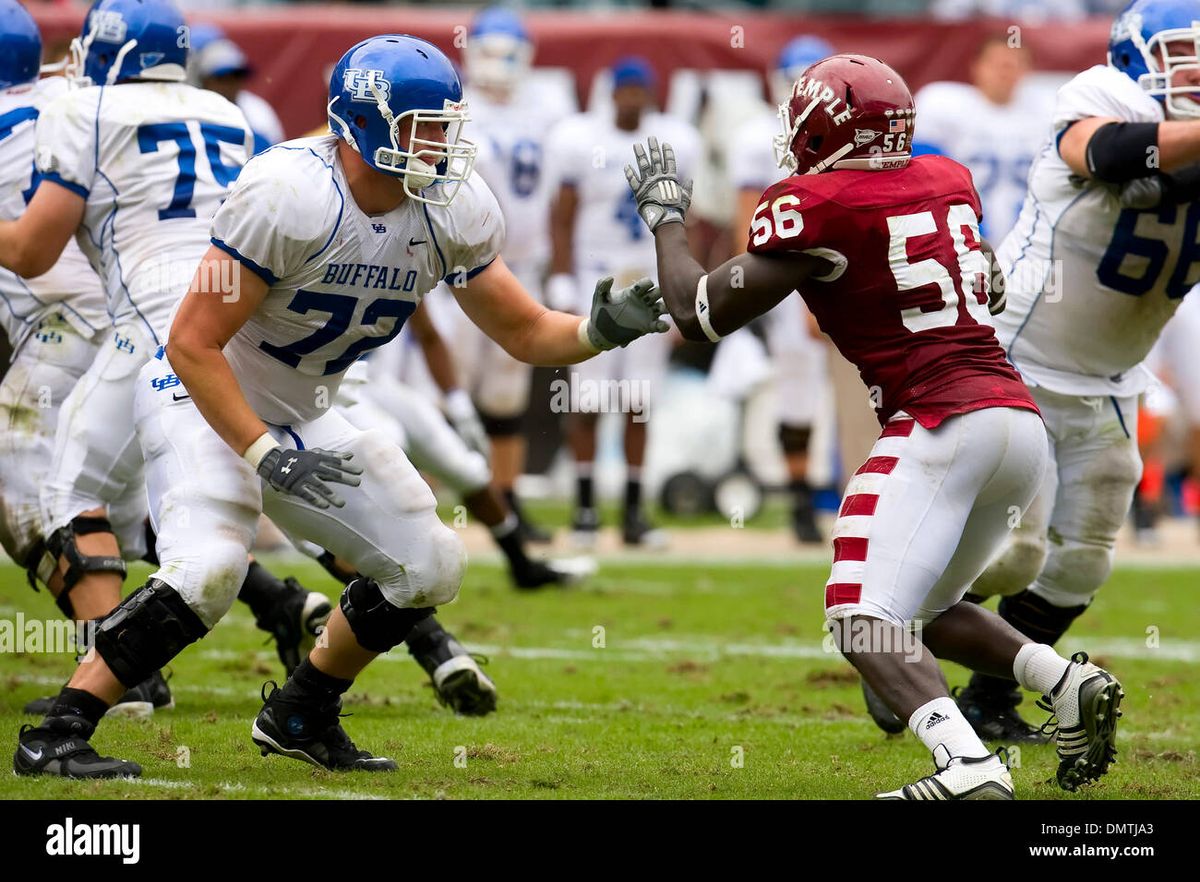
[702, 310]
[584, 340]
[255, 452]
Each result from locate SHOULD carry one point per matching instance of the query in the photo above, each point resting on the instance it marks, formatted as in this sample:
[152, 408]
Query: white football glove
[466, 422]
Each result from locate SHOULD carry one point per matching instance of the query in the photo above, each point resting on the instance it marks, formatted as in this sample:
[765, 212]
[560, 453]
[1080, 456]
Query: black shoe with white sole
[140, 702]
[295, 622]
[59, 747]
[311, 734]
[880, 712]
[992, 712]
[458, 681]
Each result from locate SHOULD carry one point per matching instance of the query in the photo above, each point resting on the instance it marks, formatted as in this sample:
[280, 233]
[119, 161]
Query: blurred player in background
[797, 354]
[1178, 358]
[887, 251]
[511, 118]
[1101, 258]
[120, 169]
[595, 230]
[218, 64]
[991, 125]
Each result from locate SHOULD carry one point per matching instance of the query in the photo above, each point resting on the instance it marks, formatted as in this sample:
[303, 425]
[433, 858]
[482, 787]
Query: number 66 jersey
[341, 282]
[1091, 282]
[904, 295]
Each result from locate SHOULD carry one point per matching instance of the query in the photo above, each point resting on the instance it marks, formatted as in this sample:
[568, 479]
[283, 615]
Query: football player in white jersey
[219, 64]
[132, 165]
[1103, 253]
[993, 125]
[595, 230]
[511, 117]
[53, 321]
[798, 359]
[322, 250]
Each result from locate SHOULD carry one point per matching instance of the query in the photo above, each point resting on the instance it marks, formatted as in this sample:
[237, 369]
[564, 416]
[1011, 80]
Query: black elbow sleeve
[1120, 152]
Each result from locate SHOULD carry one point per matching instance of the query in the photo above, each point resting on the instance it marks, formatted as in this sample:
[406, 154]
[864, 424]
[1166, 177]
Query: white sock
[1038, 667]
[941, 723]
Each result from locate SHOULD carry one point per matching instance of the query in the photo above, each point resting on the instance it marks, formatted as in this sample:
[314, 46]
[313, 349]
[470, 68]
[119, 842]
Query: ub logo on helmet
[108, 26]
[397, 100]
[362, 85]
[1152, 41]
[129, 39]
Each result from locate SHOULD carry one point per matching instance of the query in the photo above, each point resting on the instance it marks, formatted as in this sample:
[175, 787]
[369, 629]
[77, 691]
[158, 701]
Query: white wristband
[702, 310]
[584, 341]
[255, 452]
[458, 404]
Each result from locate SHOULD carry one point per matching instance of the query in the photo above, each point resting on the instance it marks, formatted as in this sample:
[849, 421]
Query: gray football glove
[619, 319]
[305, 473]
[661, 197]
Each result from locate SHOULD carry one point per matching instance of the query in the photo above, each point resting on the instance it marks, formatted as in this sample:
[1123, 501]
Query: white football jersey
[751, 158]
[511, 138]
[153, 161]
[70, 287]
[1091, 284]
[996, 142]
[341, 282]
[590, 153]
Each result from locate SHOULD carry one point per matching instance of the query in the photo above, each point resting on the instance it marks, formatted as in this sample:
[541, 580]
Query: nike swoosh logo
[29, 753]
[412, 242]
[175, 397]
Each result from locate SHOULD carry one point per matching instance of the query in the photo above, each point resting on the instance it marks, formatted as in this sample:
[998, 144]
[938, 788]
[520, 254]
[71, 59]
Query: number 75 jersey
[152, 162]
[903, 294]
[1091, 283]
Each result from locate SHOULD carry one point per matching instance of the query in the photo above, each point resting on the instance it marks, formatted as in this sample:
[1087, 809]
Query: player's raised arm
[704, 306]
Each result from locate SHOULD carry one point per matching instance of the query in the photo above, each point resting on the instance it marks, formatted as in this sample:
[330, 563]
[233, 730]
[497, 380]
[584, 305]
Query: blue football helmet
[499, 51]
[130, 39]
[1138, 47]
[20, 45]
[387, 87]
[796, 55]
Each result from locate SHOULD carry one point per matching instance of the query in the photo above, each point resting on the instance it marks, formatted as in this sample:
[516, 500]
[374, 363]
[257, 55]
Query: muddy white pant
[97, 462]
[1064, 547]
[42, 374]
[205, 501]
[929, 509]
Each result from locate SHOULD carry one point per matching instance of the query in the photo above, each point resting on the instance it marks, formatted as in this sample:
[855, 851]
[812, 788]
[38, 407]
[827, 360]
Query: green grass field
[700, 665]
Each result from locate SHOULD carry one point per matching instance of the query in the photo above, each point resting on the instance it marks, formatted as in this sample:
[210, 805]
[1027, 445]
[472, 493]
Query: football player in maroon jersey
[886, 251]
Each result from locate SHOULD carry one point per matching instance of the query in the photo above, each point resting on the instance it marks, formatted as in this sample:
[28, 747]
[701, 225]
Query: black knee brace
[794, 439]
[1037, 618]
[498, 425]
[61, 543]
[149, 628]
[328, 560]
[376, 623]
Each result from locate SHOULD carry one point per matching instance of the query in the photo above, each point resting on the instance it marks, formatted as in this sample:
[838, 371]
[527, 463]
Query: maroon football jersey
[906, 300]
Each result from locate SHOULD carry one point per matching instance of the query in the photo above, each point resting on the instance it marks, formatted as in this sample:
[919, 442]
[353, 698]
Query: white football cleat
[1085, 706]
[960, 777]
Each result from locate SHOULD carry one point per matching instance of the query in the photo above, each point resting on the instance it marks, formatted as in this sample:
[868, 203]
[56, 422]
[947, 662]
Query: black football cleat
[140, 702]
[296, 622]
[880, 712]
[312, 734]
[993, 715]
[59, 747]
[458, 681]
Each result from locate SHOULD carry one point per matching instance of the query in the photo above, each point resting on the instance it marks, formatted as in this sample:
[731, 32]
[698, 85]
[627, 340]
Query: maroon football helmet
[846, 111]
